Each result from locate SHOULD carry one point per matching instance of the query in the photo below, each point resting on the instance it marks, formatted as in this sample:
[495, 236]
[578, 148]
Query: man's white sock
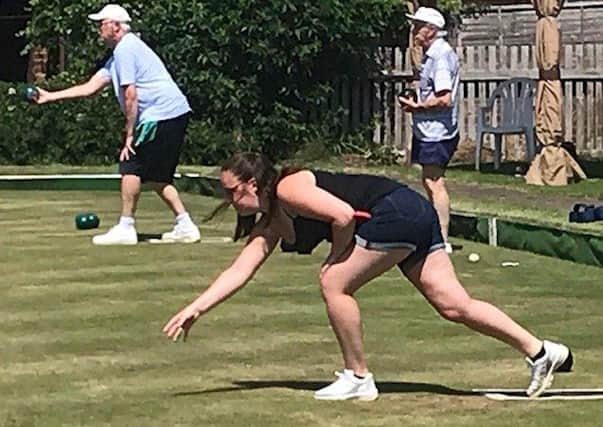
[126, 221]
[185, 220]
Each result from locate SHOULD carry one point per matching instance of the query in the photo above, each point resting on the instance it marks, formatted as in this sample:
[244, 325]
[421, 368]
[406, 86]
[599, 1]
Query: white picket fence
[483, 68]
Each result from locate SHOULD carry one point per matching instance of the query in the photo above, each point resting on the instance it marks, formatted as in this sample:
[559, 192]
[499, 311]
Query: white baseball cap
[113, 12]
[429, 16]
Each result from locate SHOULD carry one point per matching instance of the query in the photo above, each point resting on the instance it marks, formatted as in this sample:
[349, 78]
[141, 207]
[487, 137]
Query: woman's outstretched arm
[253, 255]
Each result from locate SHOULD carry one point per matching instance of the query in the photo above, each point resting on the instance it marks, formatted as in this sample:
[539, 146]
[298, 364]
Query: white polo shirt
[440, 71]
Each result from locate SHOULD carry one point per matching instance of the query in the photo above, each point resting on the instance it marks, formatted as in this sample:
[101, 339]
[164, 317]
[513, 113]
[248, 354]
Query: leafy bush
[249, 68]
[85, 132]
[207, 145]
[69, 132]
[253, 70]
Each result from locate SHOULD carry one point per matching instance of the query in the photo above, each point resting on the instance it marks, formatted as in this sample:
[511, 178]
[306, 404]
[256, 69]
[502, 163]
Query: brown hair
[247, 166]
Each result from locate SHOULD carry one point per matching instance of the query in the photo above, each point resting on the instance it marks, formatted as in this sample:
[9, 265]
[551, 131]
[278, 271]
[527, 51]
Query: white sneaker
[557, 358]
[182, 234]
[117, 235]
[347, 386]
[448, 248]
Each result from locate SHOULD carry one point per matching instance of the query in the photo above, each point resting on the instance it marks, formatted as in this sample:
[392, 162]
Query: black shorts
[403, 219]
[156, 160]
[433, 153]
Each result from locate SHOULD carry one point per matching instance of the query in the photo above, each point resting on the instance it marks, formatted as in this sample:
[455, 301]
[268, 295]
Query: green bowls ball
[30, 93]
[86, 221]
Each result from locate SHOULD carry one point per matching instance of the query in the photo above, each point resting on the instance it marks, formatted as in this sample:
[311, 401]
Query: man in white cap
[156, 114]
[435, 112]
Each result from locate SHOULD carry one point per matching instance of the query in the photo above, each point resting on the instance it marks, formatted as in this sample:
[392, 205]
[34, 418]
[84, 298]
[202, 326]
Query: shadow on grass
[143, 237]
[506, 168]
[384, 388]
[592, 168]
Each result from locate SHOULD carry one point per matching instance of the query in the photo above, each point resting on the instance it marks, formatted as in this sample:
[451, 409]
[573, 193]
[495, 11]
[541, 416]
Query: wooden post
[355, 106]
[38, 64]
[377, 113]
[580, 114]
[61, 55]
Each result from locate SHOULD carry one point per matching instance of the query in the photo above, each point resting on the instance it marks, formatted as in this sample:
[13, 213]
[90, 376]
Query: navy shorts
[433, 153]
[156, 160]
[402, 219]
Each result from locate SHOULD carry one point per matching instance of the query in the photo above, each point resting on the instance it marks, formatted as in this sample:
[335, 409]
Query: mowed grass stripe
[82, 341]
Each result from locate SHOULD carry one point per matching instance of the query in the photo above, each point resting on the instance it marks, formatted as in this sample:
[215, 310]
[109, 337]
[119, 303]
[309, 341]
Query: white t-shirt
[133, 62]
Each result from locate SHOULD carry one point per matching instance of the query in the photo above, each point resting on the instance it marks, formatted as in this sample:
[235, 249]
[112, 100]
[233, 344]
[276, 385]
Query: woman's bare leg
[338, 284]
[436, 280]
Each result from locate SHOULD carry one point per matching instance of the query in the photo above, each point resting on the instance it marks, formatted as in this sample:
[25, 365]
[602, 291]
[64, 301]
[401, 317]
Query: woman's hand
[327, 264]
[179, 325]
[336, 257]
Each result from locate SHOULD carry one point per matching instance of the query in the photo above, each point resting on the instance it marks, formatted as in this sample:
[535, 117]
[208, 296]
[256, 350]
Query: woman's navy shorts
[402, 219]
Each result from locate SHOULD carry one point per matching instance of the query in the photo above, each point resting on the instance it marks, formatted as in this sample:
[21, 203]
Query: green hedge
[85, 132]
[252, 70]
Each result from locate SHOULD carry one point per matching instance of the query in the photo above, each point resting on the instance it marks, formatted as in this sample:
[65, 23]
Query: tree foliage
[249, 67]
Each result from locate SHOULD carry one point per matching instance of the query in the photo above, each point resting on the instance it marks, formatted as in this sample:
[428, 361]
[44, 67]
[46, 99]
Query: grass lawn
[506, 195]
[82, 343]
[488, 193]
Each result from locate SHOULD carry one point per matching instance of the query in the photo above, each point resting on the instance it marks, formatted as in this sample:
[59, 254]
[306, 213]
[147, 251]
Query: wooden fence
[515, 24]
[483, 68]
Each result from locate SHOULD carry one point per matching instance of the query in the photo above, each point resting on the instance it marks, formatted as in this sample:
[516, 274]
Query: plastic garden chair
[515, 112]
